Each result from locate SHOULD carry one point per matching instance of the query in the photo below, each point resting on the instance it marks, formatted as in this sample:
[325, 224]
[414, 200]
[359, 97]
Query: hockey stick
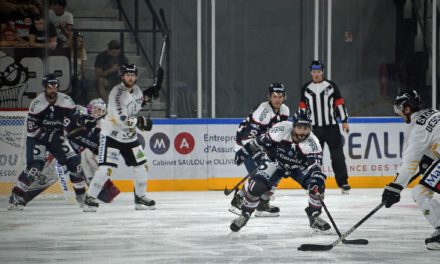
[344, 241]
[235, 188]
[67, 192]
[315, 247]
[160, 72]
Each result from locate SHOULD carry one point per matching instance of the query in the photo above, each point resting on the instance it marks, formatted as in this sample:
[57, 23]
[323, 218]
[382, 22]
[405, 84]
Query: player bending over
[258, 123]
[50, 114]
[292, 150]
[423, 139]
[119, 138]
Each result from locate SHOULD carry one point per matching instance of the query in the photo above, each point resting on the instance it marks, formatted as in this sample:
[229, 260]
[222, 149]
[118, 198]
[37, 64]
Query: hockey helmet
[277, 88]
[97, 108]
[302, 117]
[407, 98]
[50, 79]
[316, 65]
[129, 68]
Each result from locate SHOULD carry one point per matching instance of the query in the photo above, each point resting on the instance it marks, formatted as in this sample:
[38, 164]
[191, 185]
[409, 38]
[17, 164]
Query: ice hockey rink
[193, 227]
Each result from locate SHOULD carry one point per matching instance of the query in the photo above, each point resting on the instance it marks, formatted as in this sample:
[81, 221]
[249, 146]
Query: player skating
[423, 139]
[292, 150]
[118, 138]
[257, 123]
[50, 114]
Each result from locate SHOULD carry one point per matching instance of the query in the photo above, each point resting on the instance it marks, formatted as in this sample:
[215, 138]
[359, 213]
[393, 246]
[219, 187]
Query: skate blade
[433, 246]
[88, 209]
[15, 208]
[317, 231]
[266, 214]
[141, 207]
[234, 210]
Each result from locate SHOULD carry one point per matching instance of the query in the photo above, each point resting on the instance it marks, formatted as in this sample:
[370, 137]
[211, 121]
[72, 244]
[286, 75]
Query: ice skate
[236, 204]
[345, 189]
[265, 209]
[239, 222]
[90, 204]
[143, 203]
[433, 242]
[16, 203]
[316, 222]
[81, 199]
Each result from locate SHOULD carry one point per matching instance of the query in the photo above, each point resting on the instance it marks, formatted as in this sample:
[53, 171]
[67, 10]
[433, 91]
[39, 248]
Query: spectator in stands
[10, 38]
[107, 66]
[62, 20]
[79, 85]
[23, 18]
[37, 36]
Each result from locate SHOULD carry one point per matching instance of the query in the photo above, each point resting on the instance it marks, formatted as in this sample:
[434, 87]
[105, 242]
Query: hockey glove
[144, 123]
[241, 155]
[391, 194]
[131, 122]
[152, 92]
[88, 122]
[317, 182]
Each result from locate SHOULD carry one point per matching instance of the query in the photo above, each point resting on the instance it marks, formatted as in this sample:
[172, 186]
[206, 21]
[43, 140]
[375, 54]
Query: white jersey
[423, 139]
[122, 104]
[259, 122]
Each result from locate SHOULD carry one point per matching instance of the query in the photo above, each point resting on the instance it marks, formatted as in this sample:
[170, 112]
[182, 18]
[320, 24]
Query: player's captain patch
[139, 154]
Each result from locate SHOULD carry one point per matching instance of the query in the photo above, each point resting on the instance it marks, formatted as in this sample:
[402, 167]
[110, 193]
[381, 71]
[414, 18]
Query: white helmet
[97, 108]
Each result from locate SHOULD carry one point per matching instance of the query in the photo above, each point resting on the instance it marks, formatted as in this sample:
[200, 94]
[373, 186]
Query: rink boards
[198, 154]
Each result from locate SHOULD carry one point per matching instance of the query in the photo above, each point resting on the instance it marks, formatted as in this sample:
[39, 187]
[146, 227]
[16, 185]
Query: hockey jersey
[259, 121]
[44, 117]
[280, 147]
[423, 139]
[122, 104]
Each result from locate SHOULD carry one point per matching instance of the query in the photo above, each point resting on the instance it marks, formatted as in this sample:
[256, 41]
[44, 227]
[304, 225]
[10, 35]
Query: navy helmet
[50, 79]
[277, 88]
[302, 117]
[316, 65]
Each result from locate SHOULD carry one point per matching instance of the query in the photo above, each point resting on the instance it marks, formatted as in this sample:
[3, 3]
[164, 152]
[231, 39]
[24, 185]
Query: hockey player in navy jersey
[423, 139]
[292, 151]
[257, 123]
[50, 115]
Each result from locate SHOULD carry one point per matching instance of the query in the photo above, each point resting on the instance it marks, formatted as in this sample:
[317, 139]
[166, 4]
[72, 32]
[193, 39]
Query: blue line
[236, 121]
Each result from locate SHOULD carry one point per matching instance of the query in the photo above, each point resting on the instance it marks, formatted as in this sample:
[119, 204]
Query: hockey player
[85, 142]
[49, 115]
[292, 150]
[118, 138]
[257, 123]
[423, 139]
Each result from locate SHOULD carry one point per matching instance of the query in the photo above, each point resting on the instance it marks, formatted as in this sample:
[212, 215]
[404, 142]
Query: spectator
[22, 18]
[37, 36]
[79, 89]
[62, 20]
[10, 38]
[107, 65]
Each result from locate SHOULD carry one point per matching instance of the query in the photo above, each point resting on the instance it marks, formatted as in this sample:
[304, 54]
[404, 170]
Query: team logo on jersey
[138, 153]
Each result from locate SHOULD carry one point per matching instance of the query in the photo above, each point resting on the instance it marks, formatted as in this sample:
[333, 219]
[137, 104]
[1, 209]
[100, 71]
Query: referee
[323, 99]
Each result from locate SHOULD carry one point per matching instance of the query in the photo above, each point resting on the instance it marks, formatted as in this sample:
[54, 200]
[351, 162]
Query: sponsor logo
[159, 143]
[184, 143]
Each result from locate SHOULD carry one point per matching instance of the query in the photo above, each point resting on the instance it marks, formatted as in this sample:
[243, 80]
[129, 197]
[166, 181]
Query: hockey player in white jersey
[292, 151]
[257, 123]
[423, 139]
[50, 114]
[118, 139]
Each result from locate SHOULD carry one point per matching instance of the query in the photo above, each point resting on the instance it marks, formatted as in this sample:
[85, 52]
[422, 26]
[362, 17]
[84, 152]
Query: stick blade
[355, 242]
[314, 247]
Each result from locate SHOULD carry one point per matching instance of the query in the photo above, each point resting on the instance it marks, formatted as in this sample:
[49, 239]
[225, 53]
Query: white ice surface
[193, 227]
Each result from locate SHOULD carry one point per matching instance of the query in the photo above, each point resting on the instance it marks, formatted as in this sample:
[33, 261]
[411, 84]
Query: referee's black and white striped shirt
[325, 103]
